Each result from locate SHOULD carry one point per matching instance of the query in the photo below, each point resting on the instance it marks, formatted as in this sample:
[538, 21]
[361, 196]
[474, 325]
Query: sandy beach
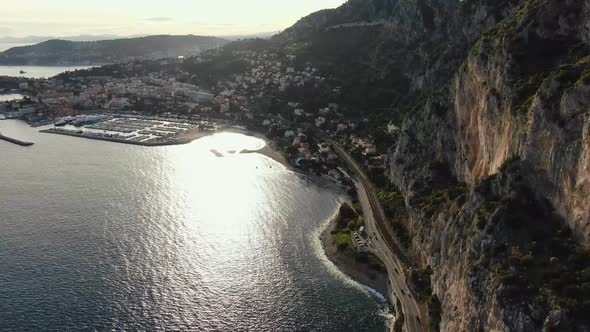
[268, 150]
[193, 134]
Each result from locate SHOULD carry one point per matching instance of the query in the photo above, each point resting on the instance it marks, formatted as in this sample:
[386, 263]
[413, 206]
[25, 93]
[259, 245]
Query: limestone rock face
[522, 94]
[483, 123]
[550, 131]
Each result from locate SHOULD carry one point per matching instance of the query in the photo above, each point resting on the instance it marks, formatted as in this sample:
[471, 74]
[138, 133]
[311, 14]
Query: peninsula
[74, 53]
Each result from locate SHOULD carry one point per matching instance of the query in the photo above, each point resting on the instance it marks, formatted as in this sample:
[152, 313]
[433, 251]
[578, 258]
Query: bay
[103, 236]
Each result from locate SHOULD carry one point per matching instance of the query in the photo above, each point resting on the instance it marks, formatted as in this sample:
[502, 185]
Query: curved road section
[382, 243]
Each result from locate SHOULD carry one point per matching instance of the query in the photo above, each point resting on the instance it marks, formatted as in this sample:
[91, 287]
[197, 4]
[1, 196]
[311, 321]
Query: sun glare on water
[215, 162]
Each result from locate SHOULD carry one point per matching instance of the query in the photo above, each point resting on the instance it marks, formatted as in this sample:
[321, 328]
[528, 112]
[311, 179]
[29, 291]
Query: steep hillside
[62, 52]
[493, 155]
[387, 52]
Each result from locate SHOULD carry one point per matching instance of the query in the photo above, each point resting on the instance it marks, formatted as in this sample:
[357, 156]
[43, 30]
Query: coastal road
[382, 243]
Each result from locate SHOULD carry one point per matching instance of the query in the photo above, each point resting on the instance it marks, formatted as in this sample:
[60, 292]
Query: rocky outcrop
[521, 97]
[496, 110]
[501, 257]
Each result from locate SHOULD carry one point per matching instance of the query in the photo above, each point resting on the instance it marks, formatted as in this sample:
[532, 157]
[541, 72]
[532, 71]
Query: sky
[148, 17]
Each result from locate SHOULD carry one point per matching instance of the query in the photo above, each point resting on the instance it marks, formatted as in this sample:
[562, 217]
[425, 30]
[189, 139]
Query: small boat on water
[22, 71]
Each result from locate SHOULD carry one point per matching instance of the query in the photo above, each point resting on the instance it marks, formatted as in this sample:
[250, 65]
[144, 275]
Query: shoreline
[269, 150]
[362, 273]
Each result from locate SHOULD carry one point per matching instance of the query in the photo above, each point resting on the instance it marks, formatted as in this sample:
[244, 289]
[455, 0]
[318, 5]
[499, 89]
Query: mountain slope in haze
[492, 155]
[63, 52]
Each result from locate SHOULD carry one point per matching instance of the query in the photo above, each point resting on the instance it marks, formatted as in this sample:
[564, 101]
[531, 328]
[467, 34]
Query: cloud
[159, 19]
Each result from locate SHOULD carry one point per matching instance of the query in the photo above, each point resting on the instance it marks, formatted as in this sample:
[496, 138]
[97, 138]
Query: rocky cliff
[516, 114]
[493, 155]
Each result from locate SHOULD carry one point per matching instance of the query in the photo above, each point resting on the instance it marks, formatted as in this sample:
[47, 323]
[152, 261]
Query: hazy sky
[141, 17]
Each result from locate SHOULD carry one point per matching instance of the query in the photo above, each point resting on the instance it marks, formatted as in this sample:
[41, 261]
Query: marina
[146, 131]
[37, 71]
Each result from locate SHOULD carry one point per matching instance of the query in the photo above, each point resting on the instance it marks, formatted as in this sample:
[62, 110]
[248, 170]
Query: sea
[33, 71]
[98, 236]
[37, 71]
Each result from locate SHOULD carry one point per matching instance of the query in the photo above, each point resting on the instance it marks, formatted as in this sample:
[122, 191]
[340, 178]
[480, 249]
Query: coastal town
[175, 101]
[158, 102]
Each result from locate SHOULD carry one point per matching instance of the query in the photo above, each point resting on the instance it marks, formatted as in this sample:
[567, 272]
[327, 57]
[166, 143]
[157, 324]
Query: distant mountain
[263, 35]
[39, 39]
[63, 52]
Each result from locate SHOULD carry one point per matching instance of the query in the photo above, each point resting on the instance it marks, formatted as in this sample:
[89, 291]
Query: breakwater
[109, 139]
[15, 141]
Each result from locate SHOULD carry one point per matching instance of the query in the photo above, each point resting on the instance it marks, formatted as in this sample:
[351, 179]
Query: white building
[320, 121]
[341, 127]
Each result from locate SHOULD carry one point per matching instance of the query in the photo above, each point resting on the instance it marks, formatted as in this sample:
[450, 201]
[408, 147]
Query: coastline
[357, 271]
[375, 281]
[192, 135]
[269, 150]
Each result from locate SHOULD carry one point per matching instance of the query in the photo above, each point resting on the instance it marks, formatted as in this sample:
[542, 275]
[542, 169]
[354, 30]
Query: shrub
[585, 79]
[342, 241]
[351, 225]
[346, 211]
[375, 262]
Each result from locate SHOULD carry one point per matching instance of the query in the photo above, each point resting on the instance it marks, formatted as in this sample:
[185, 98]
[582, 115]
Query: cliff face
[546, 125]
[498, 109]
[493, 155]
[516, 117]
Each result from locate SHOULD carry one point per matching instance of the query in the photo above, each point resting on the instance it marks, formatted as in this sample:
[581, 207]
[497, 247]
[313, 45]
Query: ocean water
[103, 236]
[37, 71]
